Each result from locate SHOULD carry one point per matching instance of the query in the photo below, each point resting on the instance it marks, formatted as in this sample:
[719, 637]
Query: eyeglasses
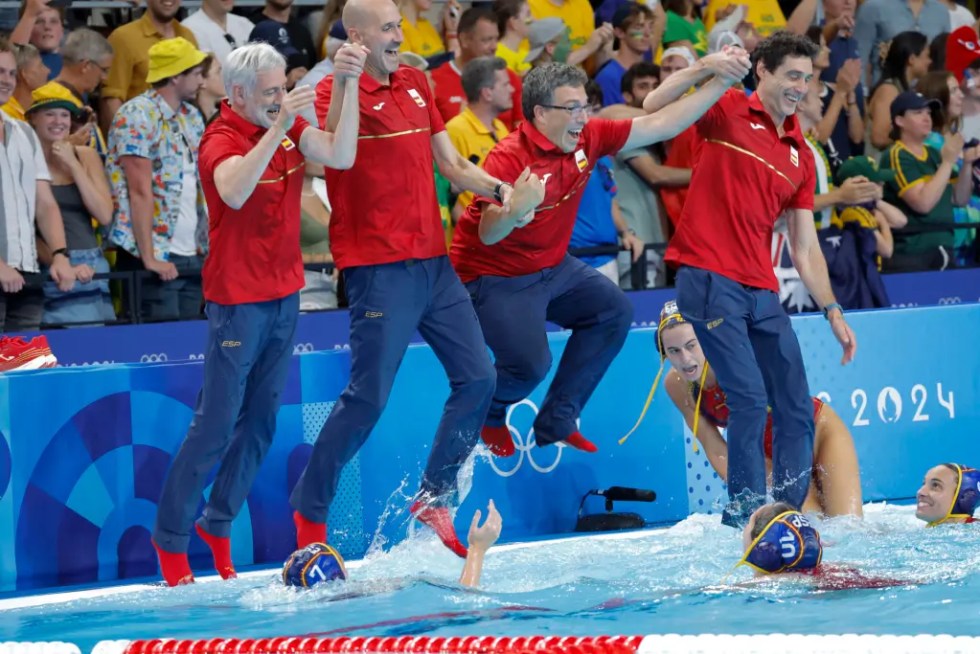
[584, 111]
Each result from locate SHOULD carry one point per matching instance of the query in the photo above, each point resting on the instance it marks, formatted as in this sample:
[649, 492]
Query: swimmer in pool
[691, 384]
[318, 562]
[780, 539]
[950, 493]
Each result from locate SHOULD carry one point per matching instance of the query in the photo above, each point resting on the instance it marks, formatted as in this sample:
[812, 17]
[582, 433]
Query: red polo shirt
[450, 97]
[255, 254]
[544, 241]
[385, 207]
[745, 178]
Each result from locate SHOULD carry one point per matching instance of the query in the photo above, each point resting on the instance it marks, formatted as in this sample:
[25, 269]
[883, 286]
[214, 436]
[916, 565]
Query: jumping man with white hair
[251, 163]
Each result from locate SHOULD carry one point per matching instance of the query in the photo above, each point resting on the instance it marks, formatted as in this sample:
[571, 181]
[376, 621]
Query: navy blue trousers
[513, 311]
[748, 341]
[388, 303]
[245, 366]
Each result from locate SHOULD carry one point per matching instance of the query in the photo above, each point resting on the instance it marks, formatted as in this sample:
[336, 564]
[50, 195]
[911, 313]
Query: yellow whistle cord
[646, 405]
[697, 406]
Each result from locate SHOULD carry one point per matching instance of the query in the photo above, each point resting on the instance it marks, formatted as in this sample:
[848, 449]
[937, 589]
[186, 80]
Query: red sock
[580, 442]
[498, 440]
[308, 532]
[437, 517]
[174, 566]
[221, 551]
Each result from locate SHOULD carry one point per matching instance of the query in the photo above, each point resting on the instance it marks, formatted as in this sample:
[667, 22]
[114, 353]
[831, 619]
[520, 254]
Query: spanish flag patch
[581, 160]
[287, 144]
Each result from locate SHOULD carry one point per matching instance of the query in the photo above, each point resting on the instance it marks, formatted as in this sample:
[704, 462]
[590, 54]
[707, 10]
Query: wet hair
[902, 48]
[935, 85]
[635, 72]
[773, 51]
[765, 516]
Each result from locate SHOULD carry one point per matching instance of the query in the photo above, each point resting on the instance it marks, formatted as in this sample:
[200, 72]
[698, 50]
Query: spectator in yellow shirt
[31, 74]
[513, 23]
[131, 61]
[474, 131]
[421, 36]
[577, 14]
[764, 15]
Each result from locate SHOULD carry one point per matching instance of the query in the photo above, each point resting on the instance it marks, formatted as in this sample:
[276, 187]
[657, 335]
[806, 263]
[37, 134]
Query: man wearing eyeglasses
[217, 30]
[513, 259]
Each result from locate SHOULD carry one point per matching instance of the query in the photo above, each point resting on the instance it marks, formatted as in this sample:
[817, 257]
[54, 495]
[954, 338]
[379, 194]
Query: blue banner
[84, 451]
[182, 341]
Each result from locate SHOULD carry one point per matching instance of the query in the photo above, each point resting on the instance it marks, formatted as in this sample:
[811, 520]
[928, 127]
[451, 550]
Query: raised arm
[731, 63]
[336, 146]
[673, 119]
[480, 540]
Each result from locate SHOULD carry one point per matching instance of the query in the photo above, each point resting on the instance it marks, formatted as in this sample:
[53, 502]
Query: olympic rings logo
[153, 358]
[524, 446]
[302, 348]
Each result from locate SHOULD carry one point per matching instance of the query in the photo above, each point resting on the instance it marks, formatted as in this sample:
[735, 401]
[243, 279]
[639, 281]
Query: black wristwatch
[830, 307]
[61, 251]
[496, 190]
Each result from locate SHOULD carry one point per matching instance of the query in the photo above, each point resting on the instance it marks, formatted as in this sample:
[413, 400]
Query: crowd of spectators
[99, 149]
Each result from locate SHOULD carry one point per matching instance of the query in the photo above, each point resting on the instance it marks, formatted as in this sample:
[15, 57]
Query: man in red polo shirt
[755, 166]
[386, 237]
[478, 34]
[514, 259]
[251, 162]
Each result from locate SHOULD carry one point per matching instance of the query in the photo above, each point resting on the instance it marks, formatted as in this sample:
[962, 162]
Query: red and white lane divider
[670, 643]
[662, 644]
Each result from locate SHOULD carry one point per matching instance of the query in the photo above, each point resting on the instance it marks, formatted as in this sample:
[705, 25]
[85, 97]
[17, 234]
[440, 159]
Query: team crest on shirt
[287, 144]
[418, 98]
[581, 160]
[794, 156]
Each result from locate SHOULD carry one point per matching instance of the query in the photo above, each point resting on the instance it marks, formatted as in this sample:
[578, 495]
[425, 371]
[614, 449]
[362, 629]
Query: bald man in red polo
[386, 237]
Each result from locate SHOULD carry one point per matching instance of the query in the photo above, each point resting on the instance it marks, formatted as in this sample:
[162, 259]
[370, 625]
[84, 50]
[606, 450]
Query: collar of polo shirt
[537, 138]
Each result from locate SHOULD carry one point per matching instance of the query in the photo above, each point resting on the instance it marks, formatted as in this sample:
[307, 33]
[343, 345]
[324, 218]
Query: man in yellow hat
[159, 221]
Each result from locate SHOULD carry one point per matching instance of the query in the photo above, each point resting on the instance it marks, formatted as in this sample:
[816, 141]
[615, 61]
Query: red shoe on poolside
[175, 567]
[18, 354]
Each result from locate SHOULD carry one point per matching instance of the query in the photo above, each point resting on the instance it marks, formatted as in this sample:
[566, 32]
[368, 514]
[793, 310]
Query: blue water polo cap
[316, 563]
[788, 543]
[967, 493]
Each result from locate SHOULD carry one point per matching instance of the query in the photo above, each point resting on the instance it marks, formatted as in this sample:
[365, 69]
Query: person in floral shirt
[159, 219]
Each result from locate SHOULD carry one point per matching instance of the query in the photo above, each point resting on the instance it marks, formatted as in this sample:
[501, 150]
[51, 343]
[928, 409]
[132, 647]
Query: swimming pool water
[673, 580]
